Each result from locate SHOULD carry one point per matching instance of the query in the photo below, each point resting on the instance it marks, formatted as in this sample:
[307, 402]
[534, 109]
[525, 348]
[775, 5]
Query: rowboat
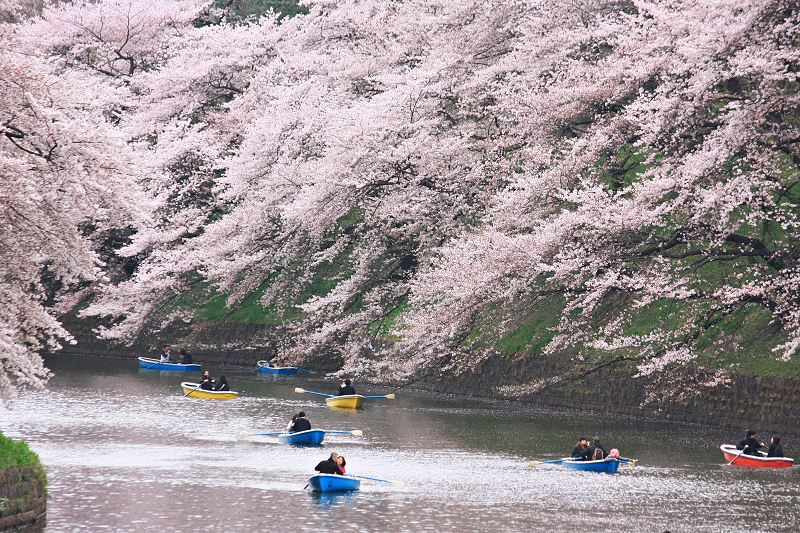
[730, 452]
[334, 483]
[349, 401]
[193, 390]
[308, 437]
[156, 364]
[600, 465]
[282, 370]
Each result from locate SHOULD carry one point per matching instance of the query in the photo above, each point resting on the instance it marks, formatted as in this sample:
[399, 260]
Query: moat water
[125, 451]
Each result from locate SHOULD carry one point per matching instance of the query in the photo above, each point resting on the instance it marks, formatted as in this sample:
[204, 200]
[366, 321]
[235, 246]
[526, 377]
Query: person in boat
[300, 423]
[206, 383]
[222, 384]
[579, 451]
[346, 389]
[750, 444]
[775, 448]
[596, 452]
[186, 357]
[166, 355]
[329, 466]
[341, 462]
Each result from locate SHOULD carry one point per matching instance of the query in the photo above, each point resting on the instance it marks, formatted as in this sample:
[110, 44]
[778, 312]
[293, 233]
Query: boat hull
[350, 401]
[334, 483]
[730, 452]
[192, 390]
[156, 364]
[592, 466]
[281, 370]
[307, 438]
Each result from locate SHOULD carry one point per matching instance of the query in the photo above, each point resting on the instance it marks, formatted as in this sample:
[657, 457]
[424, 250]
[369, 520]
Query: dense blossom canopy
[417, 177]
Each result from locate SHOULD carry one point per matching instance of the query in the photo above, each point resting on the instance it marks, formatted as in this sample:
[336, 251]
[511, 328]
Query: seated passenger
[775, 448]
[596, 452]
[222, 384]
[186, 357]
[580, 449]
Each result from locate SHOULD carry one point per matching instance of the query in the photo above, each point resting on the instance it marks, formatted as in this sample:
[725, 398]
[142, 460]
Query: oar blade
[357, 432]
[298, 389]
[390, 396]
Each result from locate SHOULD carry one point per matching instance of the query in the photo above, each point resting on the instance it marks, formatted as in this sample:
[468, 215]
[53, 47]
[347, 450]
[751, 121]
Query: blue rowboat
[283, 370]
[308, 437]
[602, 465]
[334, 483]
[156, 364]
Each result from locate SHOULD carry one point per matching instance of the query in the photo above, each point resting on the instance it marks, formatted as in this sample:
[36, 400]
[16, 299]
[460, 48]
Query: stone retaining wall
[22, 499]
[767, 404]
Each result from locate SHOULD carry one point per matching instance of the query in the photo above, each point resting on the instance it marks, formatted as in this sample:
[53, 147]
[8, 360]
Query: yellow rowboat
[350, 401]
[193, 390]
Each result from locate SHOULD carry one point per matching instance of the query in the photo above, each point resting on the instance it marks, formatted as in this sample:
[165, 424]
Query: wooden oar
[356, 432]
[191, 391]
[304, 370]
[537, 463]
[393, 482]
[390, 396]
[298, 389]
[737, 455]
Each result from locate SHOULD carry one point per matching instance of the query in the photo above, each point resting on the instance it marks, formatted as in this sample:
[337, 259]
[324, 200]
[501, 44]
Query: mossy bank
[23, 484]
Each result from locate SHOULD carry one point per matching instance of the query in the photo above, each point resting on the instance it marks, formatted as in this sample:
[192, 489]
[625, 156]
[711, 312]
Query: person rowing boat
[329, 466]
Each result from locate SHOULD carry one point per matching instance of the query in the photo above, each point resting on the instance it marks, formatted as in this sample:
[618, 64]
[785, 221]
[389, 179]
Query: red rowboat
[730, 452]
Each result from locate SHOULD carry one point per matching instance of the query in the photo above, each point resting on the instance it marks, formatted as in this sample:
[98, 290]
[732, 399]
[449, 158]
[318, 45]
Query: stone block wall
[22, 498]
[767, 404]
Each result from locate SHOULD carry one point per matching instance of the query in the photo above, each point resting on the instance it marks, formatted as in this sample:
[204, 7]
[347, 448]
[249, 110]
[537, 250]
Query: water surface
[125, 451]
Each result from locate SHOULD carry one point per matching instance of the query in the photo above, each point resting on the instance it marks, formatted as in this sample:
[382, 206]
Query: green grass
[17, 454]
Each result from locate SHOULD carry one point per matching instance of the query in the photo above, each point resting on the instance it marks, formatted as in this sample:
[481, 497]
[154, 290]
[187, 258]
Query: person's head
[301, 414]
[222, 378]
[340, 461]
[334, 456]
[183, 352]
[597, 440]
[582, 441]
[167, 349]
[776, 439]
[614, 453]
[295, 417]
[274, 351]
[205, 373]
[346, 382]
[751, 433]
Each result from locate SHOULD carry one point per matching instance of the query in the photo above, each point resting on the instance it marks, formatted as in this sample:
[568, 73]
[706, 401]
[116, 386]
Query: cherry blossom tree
[416, 178]
[65, 180]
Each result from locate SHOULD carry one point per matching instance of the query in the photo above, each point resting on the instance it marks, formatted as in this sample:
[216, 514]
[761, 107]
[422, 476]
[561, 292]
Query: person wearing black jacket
[775, 448]
[580, 448]
[222, 383]
[186, 357]
[206, 383]
[595, 451]
[329, 466]
[346, 389]
[750, 444]
[300, 423]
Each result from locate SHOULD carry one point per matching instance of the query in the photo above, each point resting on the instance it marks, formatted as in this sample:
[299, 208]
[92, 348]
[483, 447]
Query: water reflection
[125, 452]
